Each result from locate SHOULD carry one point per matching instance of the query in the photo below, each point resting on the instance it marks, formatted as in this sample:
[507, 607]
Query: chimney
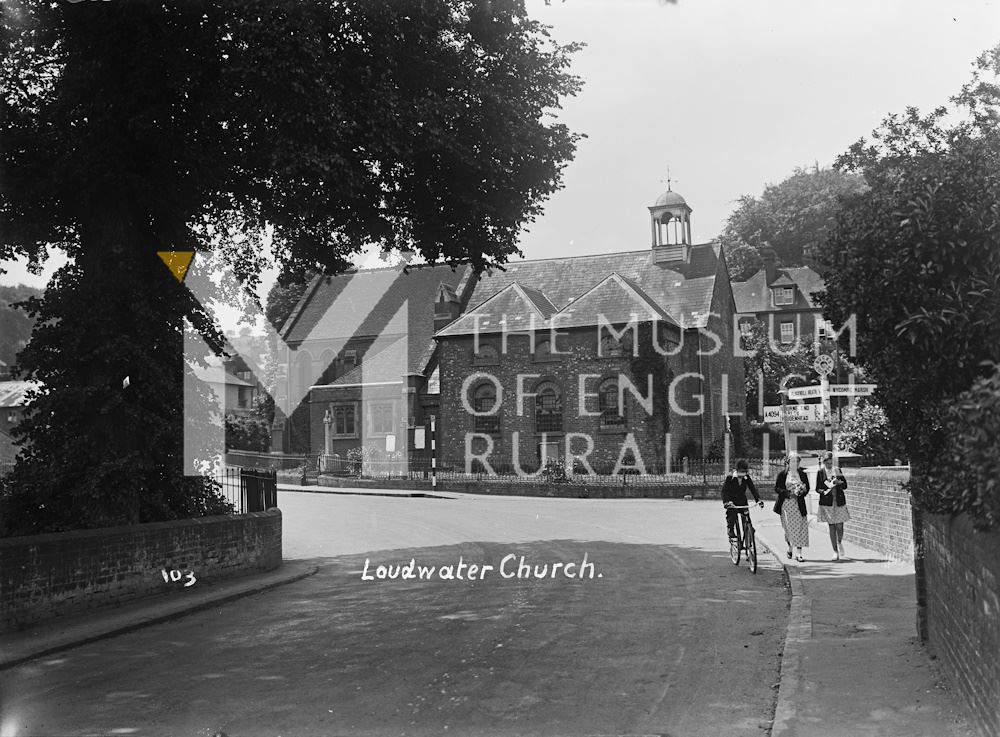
[768, 256]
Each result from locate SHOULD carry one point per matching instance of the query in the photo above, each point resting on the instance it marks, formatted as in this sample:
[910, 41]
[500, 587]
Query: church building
[597, 362]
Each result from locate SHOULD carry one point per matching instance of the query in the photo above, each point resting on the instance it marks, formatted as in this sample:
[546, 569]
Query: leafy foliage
[247, 433]
[131, 128]
[793, 217]
[917, 260]
[15, 325]
[866, 430]
[973, 424]
[779, 365]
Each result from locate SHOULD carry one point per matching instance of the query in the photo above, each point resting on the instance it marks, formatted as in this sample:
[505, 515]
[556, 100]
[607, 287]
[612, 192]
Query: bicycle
[745, 540]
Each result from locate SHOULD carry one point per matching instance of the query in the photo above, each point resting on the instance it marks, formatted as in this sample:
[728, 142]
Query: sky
[731, 95]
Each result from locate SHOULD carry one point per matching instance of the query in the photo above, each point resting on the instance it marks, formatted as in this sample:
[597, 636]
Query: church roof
[754, 295]
[365, 304]
[372, 297]
[382, 364]
[581, 287]
[669, 199]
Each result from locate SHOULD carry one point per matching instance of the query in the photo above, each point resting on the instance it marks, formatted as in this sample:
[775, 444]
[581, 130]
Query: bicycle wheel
[735, 544]
[751, 549]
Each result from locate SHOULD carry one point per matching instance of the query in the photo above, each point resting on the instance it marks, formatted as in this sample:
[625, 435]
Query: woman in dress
[830, 483]
[791, 487]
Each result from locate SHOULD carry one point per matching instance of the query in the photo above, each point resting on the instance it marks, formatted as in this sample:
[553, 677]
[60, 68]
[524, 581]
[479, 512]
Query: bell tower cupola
[670, 220]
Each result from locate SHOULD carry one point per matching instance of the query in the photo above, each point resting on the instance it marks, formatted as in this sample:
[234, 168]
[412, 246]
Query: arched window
[487, 356]
[612, 414]
[548, 408]
[484, 399]
[326, 363]
[610, 347]
[304, 372]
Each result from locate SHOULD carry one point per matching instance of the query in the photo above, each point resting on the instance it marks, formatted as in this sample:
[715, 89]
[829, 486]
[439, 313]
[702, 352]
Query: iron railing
[678, 471]
[249, 489]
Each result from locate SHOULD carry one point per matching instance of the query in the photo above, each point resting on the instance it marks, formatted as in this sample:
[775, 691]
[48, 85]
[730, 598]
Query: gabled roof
[364, 303]
[681, 292]
[539, 301]
[615, 297]
[12, 393]
[783, 281]
[379, 367]
[208, 375]
[513, 308]
[754, 296]
[367, 299]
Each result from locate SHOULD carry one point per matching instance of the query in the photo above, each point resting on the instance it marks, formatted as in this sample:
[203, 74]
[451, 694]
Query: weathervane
[668, 180]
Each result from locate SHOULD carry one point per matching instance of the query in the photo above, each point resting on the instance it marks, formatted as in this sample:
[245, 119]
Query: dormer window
[784, 296]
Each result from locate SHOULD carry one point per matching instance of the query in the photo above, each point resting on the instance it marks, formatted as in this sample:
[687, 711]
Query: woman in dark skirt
[791, 487]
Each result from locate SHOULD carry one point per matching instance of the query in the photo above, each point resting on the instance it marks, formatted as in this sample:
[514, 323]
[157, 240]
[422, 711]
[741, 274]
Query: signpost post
[824, 366]
[784, 419]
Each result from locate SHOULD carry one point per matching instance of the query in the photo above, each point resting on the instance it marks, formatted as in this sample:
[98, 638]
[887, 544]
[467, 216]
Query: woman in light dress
[791, 487]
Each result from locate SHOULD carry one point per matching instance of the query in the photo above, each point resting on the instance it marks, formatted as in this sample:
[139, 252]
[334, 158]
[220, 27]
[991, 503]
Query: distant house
[364, 360]
[783, 299]
[13, 406]
[239, 391]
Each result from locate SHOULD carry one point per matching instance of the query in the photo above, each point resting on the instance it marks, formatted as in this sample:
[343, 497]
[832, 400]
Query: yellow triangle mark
[177, 261]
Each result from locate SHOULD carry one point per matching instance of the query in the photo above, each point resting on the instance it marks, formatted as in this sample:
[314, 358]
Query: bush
[968, 477]
[247, 433]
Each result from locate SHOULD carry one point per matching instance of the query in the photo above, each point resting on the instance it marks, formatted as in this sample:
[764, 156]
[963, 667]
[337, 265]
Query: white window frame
[791, 330]
[787, 296]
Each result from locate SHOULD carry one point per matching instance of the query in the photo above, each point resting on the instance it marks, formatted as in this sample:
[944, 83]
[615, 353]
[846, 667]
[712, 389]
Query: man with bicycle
[734, 494]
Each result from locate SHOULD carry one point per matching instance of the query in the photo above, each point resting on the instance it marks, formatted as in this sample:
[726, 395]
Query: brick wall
[961, 585]
[46, 576]
[578, 357]
[508, 487]
[880, 512]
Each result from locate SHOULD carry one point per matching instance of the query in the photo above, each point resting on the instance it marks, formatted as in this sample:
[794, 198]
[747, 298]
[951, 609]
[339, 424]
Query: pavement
[852, 663]
[56, 635]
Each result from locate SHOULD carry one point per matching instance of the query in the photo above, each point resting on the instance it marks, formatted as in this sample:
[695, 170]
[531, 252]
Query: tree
[866, 430]
[793, 217]
[776, 364]
[916, 260]
[131, 128]
[247, 433]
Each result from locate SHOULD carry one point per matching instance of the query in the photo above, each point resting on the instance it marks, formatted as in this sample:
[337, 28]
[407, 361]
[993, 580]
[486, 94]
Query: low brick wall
[501, 487]
[881, 519]
[961, 612]
[46, 576]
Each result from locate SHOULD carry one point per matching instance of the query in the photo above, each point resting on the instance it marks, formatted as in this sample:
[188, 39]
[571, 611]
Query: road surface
[660, 634]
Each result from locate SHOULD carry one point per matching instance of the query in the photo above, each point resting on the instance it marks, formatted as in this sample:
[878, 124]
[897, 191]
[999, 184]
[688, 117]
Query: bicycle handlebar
[750, 506]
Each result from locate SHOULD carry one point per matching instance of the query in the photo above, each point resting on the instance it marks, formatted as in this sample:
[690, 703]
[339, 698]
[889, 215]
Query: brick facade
[961, 582]
[52, 575]
[578, 360]
[881, 519]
